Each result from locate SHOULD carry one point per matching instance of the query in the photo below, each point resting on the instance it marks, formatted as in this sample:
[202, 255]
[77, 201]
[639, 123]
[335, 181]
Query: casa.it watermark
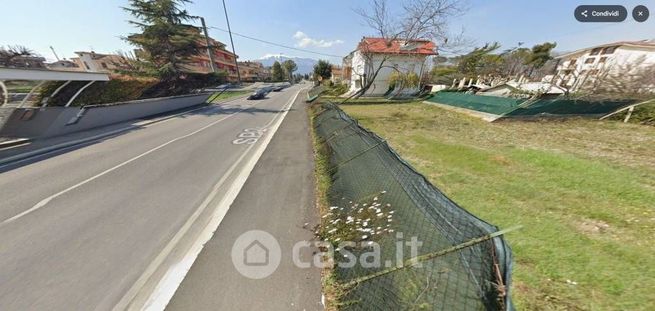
[256, 254]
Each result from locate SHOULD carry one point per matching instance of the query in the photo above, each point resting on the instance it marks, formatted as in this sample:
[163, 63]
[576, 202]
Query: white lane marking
[166, 287]
[45, 201]
[23, 157]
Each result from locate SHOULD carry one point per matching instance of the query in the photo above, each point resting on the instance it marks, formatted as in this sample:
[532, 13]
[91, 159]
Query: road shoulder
[278, 198]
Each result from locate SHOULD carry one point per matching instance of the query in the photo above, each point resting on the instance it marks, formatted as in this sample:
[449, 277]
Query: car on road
[226, 86]
[258, 94]
[278, 88]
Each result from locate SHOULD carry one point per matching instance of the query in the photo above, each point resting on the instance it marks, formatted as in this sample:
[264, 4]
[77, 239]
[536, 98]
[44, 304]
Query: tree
[417, 19]
[541, 54]
[289, 67]
[10, 56]
[635, 80]
[277, 73]
[400, 81]
[323, 69]
[165, 41]
[515, 61]
[481, 61]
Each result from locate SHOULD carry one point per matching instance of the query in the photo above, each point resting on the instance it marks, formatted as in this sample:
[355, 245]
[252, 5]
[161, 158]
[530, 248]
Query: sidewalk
[278, 198]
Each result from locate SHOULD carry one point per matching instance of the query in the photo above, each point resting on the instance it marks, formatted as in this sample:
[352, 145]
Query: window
[573, 61]
[593, 72]
[104, 65]
[595, 51]
[602, 59]
[589, 60]
[87, 66]
[609, 50]
[583, 72]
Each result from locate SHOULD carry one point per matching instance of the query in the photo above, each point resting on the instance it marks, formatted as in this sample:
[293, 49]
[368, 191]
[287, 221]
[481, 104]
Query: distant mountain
[305, 65]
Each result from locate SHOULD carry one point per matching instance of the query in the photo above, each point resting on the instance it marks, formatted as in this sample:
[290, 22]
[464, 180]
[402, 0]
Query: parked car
[258, 94]
[278, 88]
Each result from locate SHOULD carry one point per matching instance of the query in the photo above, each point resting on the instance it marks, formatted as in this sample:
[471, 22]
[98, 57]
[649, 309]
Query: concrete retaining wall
[53, 121]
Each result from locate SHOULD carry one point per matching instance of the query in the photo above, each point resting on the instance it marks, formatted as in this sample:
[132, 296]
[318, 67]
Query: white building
[96, 62]
[398, 55]
[618, 60]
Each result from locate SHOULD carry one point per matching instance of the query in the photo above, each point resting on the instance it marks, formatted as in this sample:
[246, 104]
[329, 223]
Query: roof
[397, 46]
[50, 75]
[649, 43]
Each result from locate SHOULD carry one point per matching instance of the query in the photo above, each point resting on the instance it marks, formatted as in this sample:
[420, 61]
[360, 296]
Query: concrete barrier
[54, 121]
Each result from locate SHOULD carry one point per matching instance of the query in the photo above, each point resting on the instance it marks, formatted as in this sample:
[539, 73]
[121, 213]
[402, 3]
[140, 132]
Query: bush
[336, 89]
[643, 114]
[186, 85]
[122, 88]
[116, 90]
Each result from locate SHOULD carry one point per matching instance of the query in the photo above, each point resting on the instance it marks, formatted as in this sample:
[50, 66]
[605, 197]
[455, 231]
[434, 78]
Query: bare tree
[635, 80]
[416, 20]
[12, 56]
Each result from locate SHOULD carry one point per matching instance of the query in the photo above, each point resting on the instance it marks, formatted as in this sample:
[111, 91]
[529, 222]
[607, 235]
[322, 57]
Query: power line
[276, 44]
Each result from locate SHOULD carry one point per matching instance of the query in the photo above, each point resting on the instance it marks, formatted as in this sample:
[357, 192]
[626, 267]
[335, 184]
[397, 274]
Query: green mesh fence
[568, 107]
[488, 104]
[511, 107]
[375, 196]
[314, 93]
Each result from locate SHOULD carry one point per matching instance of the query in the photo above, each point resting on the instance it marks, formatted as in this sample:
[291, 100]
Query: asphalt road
[277, 198]
[99, 226]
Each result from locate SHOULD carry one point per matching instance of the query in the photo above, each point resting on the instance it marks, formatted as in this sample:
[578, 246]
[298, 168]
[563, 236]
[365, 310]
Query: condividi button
[600, 13]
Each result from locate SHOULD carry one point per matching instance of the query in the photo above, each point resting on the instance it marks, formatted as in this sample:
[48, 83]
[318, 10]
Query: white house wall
[624, 57]
[404, 63]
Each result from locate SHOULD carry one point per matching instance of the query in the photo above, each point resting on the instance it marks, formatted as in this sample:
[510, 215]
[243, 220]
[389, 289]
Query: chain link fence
[377, 198]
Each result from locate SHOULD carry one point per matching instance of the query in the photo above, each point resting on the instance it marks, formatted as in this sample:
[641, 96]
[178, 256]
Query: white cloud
[304, 41]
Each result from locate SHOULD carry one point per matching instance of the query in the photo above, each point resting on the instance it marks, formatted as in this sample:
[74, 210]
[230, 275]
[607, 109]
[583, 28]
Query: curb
[24, 156]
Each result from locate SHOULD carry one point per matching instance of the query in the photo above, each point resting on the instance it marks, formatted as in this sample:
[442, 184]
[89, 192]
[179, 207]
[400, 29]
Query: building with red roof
[396, 55]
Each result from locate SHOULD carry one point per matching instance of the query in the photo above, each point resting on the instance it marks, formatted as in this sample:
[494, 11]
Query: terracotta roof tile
[380, 45]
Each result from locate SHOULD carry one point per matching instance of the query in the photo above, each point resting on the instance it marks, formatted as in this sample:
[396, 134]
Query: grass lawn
[584, 191]
[226, 95]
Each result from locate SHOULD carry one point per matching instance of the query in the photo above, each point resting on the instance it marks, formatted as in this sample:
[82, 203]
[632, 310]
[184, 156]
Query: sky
[324, 26]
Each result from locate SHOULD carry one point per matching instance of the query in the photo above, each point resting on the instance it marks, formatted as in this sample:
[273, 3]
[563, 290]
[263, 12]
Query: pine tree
[277, 73]
[165, 41]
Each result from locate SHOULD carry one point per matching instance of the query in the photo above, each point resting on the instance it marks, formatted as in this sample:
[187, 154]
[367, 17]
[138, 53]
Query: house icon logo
[256, 254]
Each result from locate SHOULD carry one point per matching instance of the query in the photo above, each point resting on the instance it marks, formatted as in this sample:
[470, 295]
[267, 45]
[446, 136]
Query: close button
[640, 13]
[600, 13]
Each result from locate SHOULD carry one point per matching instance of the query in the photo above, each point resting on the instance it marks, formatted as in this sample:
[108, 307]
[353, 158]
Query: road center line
[45, 201]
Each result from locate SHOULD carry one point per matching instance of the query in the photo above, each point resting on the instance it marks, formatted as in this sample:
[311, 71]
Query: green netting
[568, 107]
[374, 189]
[512, 107]
[488, 104]
[314, 93]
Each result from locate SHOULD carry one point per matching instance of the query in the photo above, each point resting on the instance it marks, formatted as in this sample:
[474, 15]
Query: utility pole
[232, 42]
[209, 47]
